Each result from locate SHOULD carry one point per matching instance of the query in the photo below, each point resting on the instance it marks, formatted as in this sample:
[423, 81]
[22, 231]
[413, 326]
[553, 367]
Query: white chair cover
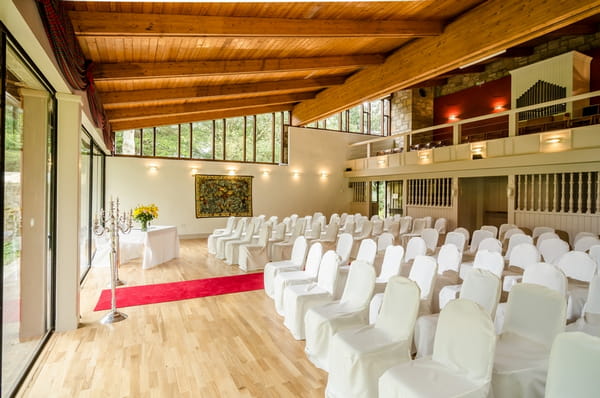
[580, 269]
[278, 235]
[392, 260]
[480, 286]
[384, 240]
[542, 274]
[440, 225]
[544, 236]
[463, 231]
[405, 225]
[232, 247]
[394, 229]
[552, 249]
[315, 230]
[492, 228]
[583, 234]
[522, 255]
[491, 261]
[448, 261]
[212, 238]
[461, 365]
[254, 257]
[516, 239]
[294, 263]
[573, 368]
[511, 232]
[416, 247]
[377, 227]
[590, 320]
[491, 244]
[594, 254]
[367, 251]
[234, 235]
[430, 236]
[281, 250]
[287, 278]
[322, 322]
[537, 231]
[478, 236]
[584, 243]
[457, 239]
[424, 272]
[503, 228]
[358, 357]
[331, 233]
[343, 247]
[365, 233]
[534, 316]
[297, 299]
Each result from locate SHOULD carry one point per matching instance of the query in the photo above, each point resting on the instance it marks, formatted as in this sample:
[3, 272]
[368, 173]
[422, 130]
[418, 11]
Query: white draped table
[158, 245]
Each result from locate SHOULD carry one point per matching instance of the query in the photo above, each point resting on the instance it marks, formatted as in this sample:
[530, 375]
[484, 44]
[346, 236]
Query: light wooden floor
[223, 346]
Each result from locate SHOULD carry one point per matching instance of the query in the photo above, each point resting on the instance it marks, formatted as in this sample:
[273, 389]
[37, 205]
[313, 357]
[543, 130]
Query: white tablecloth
[158, 245]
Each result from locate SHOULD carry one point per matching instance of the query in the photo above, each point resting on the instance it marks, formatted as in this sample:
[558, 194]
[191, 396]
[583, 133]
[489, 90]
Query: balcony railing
[484, 128]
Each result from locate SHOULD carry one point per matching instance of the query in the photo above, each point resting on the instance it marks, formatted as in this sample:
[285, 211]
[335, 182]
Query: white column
[33, 270]
[510, 197]
[67, 212]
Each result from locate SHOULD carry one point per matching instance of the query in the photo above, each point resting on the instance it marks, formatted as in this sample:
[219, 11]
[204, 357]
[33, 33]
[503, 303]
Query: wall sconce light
[425, 156]
[231, 172]
[381, 162]
[153, 168]
[478, 150]
[553, 140]
[324, 174]
[499, 108]
[296, 173]
[453, 118]
[266, 173]
[195, 170]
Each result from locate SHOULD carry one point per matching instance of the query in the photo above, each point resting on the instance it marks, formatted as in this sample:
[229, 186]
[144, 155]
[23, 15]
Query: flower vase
[144, 226]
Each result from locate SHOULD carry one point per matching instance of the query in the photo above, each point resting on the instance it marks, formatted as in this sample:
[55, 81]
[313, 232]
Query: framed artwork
[223, 196]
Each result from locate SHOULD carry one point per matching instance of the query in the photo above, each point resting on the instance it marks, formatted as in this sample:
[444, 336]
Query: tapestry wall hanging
[223, 196]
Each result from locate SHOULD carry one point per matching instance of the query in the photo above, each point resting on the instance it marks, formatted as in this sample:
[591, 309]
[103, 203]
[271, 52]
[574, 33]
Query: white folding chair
[478, 236]
[573, 367]
[212, 238]
[297, 299]
[492, 228]
[463, 231]
[480, 286]
[585, 242]
[537, 231]
[255, 256]
[514, 240]
[544, 236]
[322, 322]
[589, 322]
[534, 316]
[343, 247]
[552, 249]
[358, 357]
[448, 261]
[294, 263]
[430, 236]
[461, 364]
[521, 257]
[392, 260]
[457, 239]
[440, 225]
[580, 269]
[287, 278]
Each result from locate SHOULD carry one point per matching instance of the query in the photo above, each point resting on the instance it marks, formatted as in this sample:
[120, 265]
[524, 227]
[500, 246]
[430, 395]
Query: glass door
[26, 128]
[85, 169]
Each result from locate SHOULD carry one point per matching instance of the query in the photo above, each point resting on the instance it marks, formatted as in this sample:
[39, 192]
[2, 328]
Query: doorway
[482, 201]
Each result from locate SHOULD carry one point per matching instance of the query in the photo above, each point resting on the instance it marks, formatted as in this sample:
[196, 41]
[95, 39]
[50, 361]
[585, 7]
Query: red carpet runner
[174, 291]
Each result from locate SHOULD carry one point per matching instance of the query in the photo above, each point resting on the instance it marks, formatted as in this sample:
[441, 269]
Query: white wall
[171, 188]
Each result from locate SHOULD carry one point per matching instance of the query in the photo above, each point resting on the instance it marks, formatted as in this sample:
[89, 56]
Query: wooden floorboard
[232, 345]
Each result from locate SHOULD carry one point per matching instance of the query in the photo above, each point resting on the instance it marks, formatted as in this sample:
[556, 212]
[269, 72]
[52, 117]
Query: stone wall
[500, 68]
[412, 109]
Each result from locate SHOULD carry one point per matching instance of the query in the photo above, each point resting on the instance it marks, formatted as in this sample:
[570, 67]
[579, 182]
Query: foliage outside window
[254, 139]
[371, 118]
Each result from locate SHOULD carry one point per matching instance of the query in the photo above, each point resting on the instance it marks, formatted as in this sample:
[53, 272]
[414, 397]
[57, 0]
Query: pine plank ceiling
[166, 63]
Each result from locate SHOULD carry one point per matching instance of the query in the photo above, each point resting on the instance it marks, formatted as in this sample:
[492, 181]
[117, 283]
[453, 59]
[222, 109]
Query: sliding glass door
[26, 192]
[91, 198]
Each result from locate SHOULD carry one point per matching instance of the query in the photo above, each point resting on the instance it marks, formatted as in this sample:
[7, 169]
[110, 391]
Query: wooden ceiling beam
[117, 98]
[129, 24]
[493, 26]
[196, 117]
[132, 71]
[165, 110]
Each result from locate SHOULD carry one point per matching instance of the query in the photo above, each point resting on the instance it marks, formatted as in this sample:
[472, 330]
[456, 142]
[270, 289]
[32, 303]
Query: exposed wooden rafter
[196, 117]
[493, 26]
[116, 98]
[130, 24]
[132, 71]
[163, 110]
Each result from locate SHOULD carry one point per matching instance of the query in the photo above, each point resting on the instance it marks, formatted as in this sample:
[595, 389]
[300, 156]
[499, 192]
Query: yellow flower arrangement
[143, 214]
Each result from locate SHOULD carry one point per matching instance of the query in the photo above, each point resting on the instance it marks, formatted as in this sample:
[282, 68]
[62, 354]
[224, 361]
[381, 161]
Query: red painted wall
[474, 101]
